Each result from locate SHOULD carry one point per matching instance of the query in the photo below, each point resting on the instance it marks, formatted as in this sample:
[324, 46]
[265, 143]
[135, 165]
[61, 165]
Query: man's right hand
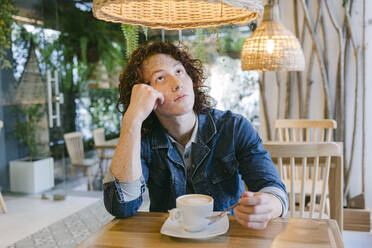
[143, 101]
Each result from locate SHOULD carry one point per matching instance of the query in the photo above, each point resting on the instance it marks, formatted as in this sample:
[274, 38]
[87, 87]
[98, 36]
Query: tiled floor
[354, 239]
[70, 231]
[27, 215]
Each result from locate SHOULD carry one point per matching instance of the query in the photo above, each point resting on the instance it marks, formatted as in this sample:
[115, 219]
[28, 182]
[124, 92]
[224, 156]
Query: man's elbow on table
[119, 208]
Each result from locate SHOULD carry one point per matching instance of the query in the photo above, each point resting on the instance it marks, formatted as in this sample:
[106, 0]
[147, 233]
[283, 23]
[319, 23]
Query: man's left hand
[256, 209]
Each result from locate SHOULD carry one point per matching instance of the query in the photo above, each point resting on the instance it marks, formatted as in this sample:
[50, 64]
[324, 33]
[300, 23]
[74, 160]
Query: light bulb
[270, 46]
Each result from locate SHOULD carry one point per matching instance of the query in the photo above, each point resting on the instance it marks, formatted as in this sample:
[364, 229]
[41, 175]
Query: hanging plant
[200, 45]
[7, 9]
[131, 33]
[217, 32]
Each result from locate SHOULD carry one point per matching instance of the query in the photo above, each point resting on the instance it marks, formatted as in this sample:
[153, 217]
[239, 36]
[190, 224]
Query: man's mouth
[180, 97]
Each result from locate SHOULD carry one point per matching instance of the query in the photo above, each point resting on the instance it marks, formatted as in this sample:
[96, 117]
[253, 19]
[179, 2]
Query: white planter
[31, 177]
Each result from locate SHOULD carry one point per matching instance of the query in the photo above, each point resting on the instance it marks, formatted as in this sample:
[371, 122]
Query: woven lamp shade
[272, 47]
[178, 14]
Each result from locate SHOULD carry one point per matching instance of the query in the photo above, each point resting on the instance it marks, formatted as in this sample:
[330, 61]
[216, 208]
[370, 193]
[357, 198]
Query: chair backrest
[311, 158]
[298, 130]
[75, 148]
[99, 136]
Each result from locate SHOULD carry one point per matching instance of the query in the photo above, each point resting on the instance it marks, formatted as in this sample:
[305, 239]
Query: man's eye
[160, 78]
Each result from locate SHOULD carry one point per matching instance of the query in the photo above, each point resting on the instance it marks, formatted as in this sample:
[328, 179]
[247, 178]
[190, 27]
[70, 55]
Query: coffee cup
[191, 211]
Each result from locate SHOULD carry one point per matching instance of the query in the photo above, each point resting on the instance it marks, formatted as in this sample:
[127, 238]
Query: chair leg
[2, 203]
[99, 169]
[72, 170]
[89, 180]
[327, 209]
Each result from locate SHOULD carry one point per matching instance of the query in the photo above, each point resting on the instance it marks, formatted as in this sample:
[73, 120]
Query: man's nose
[176, 83]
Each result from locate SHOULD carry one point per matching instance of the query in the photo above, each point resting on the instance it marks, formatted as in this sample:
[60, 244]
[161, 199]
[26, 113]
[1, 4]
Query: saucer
[174, 229]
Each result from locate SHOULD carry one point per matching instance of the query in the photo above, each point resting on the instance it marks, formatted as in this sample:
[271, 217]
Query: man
[175, 143]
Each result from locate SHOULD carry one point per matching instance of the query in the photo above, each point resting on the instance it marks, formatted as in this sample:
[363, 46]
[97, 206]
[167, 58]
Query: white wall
[368, 94]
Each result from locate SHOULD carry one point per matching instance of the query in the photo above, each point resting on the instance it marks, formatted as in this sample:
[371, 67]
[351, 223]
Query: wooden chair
[309, 158]
[298, 130]
[75, 149]
[2, 203]
[103, 154]
[303, 130]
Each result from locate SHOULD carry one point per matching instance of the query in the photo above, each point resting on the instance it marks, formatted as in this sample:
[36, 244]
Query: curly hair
[132, 75]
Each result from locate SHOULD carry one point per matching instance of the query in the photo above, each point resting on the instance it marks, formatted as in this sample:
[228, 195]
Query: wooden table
[143, 230]
[108, 144]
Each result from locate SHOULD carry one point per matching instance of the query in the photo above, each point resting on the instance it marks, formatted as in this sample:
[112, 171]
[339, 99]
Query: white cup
[191, 211]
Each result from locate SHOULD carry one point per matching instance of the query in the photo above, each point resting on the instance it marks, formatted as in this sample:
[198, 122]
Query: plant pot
[31, 176]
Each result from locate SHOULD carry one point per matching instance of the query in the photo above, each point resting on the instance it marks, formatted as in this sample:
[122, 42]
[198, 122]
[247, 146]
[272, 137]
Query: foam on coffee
[195, 200]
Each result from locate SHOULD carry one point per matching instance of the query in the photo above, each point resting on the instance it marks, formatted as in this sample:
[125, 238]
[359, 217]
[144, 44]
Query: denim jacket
[228, 153]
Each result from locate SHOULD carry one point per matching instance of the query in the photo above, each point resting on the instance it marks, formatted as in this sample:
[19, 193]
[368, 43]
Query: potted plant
[34, 173]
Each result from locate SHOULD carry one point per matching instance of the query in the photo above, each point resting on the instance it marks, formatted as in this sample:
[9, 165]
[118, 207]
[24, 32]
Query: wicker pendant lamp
[178, 14]
[272, 47]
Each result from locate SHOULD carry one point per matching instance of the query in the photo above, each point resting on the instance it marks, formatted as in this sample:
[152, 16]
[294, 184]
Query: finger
[256, 209]
[254, 225]
[257, 199]
[253, 217]
[248, 194]
[160, 98]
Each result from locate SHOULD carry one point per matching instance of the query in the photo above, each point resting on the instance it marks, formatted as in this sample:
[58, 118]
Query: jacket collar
[207, 128]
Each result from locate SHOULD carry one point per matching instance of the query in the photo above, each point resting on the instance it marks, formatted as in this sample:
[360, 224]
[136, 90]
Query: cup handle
[176, 215]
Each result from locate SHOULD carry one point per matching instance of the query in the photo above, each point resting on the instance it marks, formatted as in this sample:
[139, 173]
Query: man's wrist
[278, 206]
[131, 122]
[280, 195]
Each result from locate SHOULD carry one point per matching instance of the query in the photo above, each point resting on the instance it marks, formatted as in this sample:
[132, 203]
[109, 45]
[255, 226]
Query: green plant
[131, 33]
[76, 51]
[27, 127]
[217, 31]
[200, 45]
[103, 110]
[7, 9]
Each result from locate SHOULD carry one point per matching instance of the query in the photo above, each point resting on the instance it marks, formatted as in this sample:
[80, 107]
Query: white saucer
[174, 229]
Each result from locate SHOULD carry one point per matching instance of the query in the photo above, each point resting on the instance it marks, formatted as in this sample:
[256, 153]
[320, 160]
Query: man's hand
[255, 210]
[143, 101]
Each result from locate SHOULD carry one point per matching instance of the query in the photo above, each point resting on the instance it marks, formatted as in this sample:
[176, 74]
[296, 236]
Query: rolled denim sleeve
[281, 195]
[123, 199]
[130, 190]
[115, 203]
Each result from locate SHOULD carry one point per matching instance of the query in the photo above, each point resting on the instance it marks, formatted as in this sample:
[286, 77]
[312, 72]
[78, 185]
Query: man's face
[169, 77]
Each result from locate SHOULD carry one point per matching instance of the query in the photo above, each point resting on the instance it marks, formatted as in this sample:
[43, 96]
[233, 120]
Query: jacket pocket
[223, 169]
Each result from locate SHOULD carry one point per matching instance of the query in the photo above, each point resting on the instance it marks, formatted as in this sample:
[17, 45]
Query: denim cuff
[281, 195]
[129, 191]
